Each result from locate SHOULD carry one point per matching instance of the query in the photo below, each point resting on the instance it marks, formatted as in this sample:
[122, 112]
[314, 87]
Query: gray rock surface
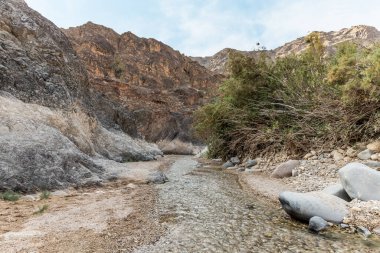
[228, 164]
[48, 131]
[303, 206]
[365, 154]
[360, 181]
[157, 178]
[373, 164]
[285, 169]
[235, 160]
[337, 190]
[250, 163]
[363, 231]
[317, 224]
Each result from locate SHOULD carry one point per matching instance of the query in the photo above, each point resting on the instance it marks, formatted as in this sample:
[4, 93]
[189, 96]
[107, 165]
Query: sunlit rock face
[158, 87]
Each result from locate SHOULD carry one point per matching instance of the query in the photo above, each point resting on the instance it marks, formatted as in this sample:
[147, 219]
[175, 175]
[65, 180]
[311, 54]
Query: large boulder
[303, 206]
[285, 169]
[360, 181]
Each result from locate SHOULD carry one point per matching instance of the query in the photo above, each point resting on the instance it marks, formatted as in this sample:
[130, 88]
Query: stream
[206, 210]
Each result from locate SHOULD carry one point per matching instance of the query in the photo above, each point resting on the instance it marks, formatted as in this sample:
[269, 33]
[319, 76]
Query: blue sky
[203, 27]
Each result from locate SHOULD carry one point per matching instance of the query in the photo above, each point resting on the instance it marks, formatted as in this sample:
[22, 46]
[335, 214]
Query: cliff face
[363, 35]
[49, 135]
[34, 57]
[158, 86]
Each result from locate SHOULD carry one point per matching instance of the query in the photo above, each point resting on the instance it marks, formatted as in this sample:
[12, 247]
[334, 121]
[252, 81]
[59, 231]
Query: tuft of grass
[45, 195]
[10, 196]
[42, 209]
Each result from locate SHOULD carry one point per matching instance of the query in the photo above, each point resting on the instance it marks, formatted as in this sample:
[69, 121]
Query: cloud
[203, 27]
[290, 19]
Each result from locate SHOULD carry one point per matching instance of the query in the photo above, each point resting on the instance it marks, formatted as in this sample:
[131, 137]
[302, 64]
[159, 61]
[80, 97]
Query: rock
[373, 164]
[337, 190]
[360, 181]
[157, 178]
[235, 160]
[228, 164]
[374, 146]
[28, 198]
[162, 85]
[303, 206]
[337, 156]
[131, 186]
[350, 152]
[344, 226]
[233, 168]
[285, 169]
[347, 159]
[250, 163]
[363, 231]
[59, 193]
[377, 230]
[365, 155]
[308, 155]
[317, 224]
[374, 157]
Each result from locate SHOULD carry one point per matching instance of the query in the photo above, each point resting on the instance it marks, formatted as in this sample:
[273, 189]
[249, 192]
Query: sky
[204, 27]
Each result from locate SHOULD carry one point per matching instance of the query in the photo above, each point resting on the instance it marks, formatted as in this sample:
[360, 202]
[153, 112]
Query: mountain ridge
[361, 34]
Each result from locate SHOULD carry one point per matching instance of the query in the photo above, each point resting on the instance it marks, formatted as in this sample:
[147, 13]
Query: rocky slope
[363, 35]
[156, 86]
[49, 134]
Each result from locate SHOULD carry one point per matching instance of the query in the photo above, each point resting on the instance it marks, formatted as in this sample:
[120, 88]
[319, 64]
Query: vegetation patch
[10, 196]
[296, 103]
[45, 195]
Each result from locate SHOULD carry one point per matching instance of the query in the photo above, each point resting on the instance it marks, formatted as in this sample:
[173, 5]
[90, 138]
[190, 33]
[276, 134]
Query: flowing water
[206, 210]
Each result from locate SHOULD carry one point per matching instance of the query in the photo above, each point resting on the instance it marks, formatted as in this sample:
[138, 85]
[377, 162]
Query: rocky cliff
[363, 35]
[50, 136]
[158, 87]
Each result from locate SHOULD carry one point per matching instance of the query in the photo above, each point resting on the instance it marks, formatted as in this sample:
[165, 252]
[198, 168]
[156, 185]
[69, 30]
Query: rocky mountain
[50, 135]
[158, 87]
[361, 34]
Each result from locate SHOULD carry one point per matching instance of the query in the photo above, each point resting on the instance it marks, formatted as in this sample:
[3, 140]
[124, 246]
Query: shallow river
[206, 210]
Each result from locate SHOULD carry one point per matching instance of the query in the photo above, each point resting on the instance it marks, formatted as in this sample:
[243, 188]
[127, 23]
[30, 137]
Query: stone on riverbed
[360, 181]
[317, 224]
[157, 178]
[235, 160]
[337, 190]
[303, 206]
[228, 164]
[365, 155]
[250, 163]
[285, 169]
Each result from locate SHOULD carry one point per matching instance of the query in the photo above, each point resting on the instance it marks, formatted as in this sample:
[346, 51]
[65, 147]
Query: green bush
[10, 196]
[45, 195]
[295, 103]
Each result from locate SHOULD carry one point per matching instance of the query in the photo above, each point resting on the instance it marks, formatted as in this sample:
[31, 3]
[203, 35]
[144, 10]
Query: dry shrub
[294, 104]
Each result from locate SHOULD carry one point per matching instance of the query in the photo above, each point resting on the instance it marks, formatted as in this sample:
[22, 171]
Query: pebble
[363, 231]
[317, 224]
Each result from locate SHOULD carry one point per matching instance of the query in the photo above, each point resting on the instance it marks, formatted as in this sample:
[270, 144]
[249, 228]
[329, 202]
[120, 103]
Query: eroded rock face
[48, 130]
[37, 62]
[158, 87]
[43, 148]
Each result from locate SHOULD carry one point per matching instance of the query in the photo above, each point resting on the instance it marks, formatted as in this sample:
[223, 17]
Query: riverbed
[206, 210]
